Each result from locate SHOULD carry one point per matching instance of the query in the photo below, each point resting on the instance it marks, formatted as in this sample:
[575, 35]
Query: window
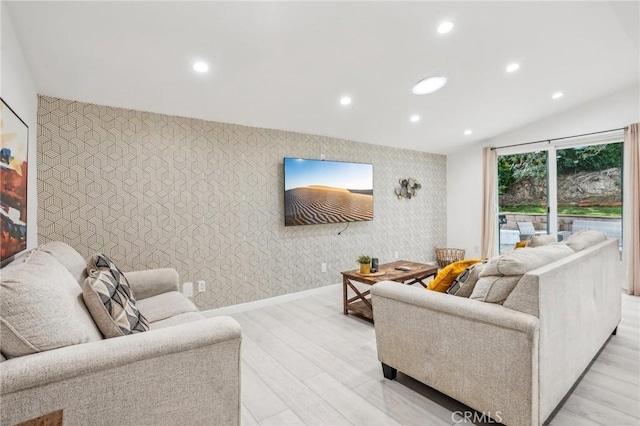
[561, 189]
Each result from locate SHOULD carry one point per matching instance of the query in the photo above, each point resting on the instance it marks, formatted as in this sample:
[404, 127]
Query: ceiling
[285, 65]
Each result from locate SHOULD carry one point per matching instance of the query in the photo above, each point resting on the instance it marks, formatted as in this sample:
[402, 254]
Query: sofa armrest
[482, 354]
[579, 308]
[152, 282]
[188, 373]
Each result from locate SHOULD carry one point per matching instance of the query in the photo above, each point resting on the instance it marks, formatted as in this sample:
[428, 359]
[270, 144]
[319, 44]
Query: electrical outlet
[395, 254]
[476, 249]
[202, 286]
[324, 267]
[187, 289]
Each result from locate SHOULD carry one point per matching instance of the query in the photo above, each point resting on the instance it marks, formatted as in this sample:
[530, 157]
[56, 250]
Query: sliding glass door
[560, 190]
[523, 194]
[590, 189]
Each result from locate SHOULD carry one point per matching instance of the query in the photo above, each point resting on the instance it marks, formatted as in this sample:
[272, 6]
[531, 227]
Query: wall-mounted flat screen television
[318, 191]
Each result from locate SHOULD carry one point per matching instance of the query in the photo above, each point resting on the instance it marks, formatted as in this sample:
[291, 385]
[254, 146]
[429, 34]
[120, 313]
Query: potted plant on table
[365, 264]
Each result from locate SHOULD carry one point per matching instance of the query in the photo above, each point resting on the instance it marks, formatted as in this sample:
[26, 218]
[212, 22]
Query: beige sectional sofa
[513, 361]
[185, 370]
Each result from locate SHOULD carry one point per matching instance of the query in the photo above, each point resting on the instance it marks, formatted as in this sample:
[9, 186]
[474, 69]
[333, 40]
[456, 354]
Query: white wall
[464, 168]
[19, 92]
[464, 200]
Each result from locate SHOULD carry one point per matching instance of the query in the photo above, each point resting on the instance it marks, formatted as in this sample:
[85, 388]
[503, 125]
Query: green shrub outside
[512, 168]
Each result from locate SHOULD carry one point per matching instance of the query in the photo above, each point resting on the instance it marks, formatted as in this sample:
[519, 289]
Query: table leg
[344, 296]
[359, 303]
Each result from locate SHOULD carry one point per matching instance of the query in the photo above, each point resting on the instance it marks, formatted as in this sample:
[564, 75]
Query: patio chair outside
[527, 230]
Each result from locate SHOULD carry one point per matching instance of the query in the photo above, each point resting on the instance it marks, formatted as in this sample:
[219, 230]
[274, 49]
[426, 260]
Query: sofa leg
[389, 372]
[615, 331]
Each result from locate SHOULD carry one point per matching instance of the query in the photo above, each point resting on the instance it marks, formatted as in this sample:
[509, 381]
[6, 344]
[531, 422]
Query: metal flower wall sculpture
[408, 188]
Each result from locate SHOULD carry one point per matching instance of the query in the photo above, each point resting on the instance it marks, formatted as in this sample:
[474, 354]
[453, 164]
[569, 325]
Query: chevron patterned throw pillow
[109, 298]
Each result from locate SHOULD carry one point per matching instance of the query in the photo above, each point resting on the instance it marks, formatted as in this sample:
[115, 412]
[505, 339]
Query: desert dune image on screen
[327, 191]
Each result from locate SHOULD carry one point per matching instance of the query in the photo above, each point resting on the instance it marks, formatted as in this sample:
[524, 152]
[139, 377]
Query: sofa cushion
[521, 261]
[165, 305]
[494, 288]
[584, 239]
[68, 257]
[176, 320]
[541, 240]
[501, 274]
[445, 278]
[112, 305]
[465, 282]
[41, 307]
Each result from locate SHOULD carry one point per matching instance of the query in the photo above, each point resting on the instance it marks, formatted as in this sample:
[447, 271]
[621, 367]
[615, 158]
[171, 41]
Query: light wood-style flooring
[304, 362]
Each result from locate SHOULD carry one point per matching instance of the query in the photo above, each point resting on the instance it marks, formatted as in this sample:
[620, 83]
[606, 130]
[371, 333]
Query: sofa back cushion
[501, 274]
[41, 307]
[525, 259]
[584, 239]
[540, 240]
[68, 257]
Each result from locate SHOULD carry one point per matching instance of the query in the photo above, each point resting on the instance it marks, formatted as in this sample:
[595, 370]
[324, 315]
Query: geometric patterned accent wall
[152, 190]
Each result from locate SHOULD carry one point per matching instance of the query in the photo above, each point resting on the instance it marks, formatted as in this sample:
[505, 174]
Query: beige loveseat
[185, 370]
[513, 362]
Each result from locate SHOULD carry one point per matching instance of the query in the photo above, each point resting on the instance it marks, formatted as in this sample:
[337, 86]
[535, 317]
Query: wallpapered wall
[206, 198]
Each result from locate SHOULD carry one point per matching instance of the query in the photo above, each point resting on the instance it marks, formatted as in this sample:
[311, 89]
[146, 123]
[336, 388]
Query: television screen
[318, 191]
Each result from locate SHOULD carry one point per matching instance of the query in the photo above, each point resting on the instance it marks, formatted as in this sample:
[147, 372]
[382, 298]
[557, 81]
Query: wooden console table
[360, 303]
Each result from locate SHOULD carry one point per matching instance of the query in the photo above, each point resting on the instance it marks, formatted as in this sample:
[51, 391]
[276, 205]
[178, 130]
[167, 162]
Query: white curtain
[489, 210]
[631, 213]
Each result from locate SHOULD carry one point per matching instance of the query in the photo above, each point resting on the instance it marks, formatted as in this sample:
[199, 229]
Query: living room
[142, 158]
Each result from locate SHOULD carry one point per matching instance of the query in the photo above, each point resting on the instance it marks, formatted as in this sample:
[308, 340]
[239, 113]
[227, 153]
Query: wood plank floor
[304, 362]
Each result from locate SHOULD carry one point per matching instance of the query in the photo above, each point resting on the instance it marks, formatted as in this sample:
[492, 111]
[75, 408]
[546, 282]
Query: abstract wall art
[14, 137]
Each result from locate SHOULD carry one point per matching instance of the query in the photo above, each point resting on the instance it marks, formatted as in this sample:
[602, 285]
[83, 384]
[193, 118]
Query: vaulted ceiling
[286, 65]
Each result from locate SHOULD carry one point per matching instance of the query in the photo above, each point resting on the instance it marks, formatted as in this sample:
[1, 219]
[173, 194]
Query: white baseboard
[242, 307]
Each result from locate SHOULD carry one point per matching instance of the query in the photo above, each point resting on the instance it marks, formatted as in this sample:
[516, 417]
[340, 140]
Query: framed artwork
[14, 144]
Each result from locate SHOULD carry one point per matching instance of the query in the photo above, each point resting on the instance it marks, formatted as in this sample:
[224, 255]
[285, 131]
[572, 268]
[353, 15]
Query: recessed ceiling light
[345, 100]
[467, 132]
[429, 85]
[513, 67]
[200, 66]
[557, 95]
[414, 118]
[445, 27]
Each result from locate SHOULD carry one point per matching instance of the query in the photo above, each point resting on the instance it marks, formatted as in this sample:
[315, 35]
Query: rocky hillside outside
[588, 177]
[601, 188]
